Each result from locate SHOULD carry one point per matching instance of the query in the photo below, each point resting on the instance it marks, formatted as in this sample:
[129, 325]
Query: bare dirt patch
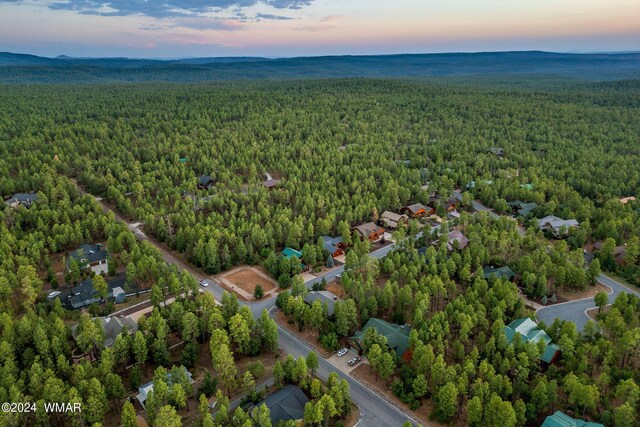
[593, 312]
[243, 280]
[336, 288]
[590, 292]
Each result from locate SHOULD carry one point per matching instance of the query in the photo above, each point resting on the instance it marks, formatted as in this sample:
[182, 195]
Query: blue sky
[182, 28]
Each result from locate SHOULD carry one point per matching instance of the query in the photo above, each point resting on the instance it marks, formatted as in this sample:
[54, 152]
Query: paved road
[376, 411]
[575, 311]
[477, 205]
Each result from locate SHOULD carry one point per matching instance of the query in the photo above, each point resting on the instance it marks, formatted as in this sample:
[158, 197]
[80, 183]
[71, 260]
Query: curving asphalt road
[375, 410]
[575, 311]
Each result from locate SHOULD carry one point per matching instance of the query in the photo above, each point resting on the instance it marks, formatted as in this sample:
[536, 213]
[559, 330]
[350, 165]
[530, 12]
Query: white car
[203, 283]
[342, 352]
[339, 275]
[53, 294]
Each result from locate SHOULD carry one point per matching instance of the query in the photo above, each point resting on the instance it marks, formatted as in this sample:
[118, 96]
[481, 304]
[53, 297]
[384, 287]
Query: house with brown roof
[370, 231]
[205, 182]
[450, 203]
[334, 245]
[453, 237]
[618, 252]
[392, 219]
[417, 210]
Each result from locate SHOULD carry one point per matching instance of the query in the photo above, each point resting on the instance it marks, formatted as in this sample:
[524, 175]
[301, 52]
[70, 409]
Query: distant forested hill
[18, 68]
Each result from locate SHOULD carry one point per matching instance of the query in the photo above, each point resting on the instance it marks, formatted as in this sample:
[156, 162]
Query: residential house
[556, 225]
[455, 236]
[325, 297]
[449, 204]
[397, 335]
[560, 419]
[205, 182]
[392, 219]
[270, 184]
[370, 231]
[472, 184]
[291, 253]
[522, 208]
[417, 210]
[84, 293]
[529, 331]
[497, 151]
[144, 390]
[112, 327]
[286, 404]
[93, 257]
[619, 252]
[500, 272]
[22, 199]
[334, 245]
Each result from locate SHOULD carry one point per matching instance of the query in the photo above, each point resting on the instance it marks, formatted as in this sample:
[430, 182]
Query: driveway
[376, 410]
[575, 311]
[342, 363]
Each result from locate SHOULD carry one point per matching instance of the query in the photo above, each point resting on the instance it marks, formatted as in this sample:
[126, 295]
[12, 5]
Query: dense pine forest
[343, 151]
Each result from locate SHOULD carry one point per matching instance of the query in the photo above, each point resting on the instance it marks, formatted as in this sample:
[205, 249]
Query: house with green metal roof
[560, 419]
[290, 253]
[397, 335]
[522, 208]
[501, 272]
[530, 332]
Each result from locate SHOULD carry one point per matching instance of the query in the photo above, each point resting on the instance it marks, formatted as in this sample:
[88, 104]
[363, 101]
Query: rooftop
[457, 236]
[530, 332]
[524, 208]
[397, 335]
[289, 252]
[145, 389]
[25, 199]
[286, 404]
[554, 222]
[560, 419]
[332, 244]
[89, 253]
[112, 326]
[501, 272]
[325, 297]
[368, 228]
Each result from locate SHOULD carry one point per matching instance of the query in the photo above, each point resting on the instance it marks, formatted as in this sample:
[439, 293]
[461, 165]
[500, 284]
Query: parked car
[354, 361]
[203, 283]
[339, 275]
[342, 352]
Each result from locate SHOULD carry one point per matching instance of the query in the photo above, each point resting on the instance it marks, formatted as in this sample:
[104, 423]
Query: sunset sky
[275, 28]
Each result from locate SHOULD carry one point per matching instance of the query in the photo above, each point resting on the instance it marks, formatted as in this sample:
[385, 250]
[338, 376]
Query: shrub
[258, 292]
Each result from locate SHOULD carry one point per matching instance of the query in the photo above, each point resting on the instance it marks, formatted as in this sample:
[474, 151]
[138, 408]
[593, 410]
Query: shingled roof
[325, 297]
[286, 404]
[397, 335]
